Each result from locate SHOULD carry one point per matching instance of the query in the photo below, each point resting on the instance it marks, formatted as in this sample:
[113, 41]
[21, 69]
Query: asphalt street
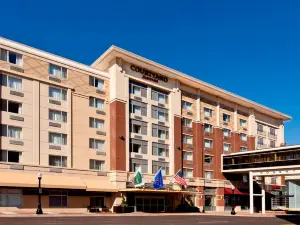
[150, 220]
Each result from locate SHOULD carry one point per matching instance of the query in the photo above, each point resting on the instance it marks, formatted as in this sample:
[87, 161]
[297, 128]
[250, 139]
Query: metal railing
[261, 133]
[273, 136]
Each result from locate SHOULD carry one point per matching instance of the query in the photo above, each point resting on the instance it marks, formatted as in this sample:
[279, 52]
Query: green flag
[138, 179]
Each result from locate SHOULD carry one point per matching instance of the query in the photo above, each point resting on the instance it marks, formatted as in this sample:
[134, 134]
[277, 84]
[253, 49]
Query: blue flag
[158, 180]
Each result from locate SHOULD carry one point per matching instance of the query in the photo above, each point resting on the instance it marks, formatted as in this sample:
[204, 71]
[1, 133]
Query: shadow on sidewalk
[295, 219]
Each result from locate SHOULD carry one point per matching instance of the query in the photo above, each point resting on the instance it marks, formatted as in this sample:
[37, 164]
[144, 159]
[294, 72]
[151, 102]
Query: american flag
[180, 179]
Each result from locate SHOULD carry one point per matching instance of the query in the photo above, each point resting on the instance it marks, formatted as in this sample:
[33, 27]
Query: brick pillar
[220, 199]
[218, 150]
[199, 198]
[177, 143]
[117, 130]
[235, 142]
[282, 180]
[251, 143]
[198, 157]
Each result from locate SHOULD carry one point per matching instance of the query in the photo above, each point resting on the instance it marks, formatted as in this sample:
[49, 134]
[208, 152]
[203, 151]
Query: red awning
[228, 191]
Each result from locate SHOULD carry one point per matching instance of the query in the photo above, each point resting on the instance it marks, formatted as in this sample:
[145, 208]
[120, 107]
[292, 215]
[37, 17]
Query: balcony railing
[262, 146]
[208, 149]
[261, 133]
[207, 133]
[273, 136]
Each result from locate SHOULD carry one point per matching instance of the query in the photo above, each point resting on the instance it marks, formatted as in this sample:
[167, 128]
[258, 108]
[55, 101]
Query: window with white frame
[208, 112]
[208, 128]
[11, 131]
[138, 127]
[96, 164]
[58, 199]
[208, 143]
[186, 105]
[164, 166]
[11, 106]
[243, 123]
[159, 149]
[187, 155]
[138, 89]
[96, 103]
[208, 159]
[57, 138]
[187, 122]
[226, 147]
[56, 115]
[96, 144]
[226, 132]
[243, 137]
[10, 156]
[58, 71]
[11, 82]
[138, 165]
[11, 57]
[138, 146]
[260, 127]
[160, 113]
[57, 160]
[188, 173]
[96, 82]
[58, 93]
[272, 131]
[159, 96]
[138, 108]
[226, 118]
[160, 131]
[272, 144]
[208, 175]
[243, 149]
[187, 139]
[260, 141]
[96, 123]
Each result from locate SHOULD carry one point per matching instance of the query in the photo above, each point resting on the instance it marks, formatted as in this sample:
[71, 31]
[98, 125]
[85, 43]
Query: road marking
[214, 221]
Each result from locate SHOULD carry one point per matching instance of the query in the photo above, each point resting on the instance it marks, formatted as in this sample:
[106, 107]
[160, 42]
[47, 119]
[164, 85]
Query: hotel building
[89, 128]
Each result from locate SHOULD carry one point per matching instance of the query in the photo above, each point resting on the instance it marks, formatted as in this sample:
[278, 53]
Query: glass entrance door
[150, 203]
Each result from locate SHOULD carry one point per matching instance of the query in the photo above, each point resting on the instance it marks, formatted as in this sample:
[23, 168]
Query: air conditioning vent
[18, 69]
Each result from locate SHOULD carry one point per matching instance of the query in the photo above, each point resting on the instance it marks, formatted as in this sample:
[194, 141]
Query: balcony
[261, 133]
[260, 146]
[272, 136]
[208, 133]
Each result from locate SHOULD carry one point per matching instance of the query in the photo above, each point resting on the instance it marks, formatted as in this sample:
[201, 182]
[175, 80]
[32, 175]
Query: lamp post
[233, 201]
[39, 207]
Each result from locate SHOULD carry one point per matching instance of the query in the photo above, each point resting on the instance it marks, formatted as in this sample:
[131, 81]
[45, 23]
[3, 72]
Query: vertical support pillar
[263, 198]
[251, 192]
[218, 113]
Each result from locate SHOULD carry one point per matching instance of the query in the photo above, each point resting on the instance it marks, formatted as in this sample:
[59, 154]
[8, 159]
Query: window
[161, 150]
[10, 106]
[139, 164]
[188, 173]
[186, 105]
[186, 122]
[226, 132]
[10, 156]
[57, 93]
[138, 146]
[208, 143]
[98, 201]
[160, 165]
[57, 138]
[59, 116]
[272, 131]
[58, 71]
[207, 112]
[243, 137]
[11, 82]
[260, 127]
[11, 197]
[226, 118]
[226, 147]
[96, 164]
[138, 89]
[208, 175]
[160, 113]
[11, 57]
[159, 96]
[187, 156]
[96, 82]
[96, 103]
[208, 128]
[243, 149]
[11, 131]
[186, 139]
[160, 131]
[138, 127]
[96, 144]
[208, 159]
[260, 141]
[96, 123]
[58, 199]
[138, 108]
[243, 123]
[272, 144]
[56, 160]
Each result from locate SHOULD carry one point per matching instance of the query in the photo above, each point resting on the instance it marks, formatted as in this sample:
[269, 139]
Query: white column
[198, 107]
[218, 113]
[251, 192]
[280, 135]
[235, 119]
[263, 198]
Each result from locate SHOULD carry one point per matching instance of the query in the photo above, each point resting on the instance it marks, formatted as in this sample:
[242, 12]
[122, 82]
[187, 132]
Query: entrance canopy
[147, 190]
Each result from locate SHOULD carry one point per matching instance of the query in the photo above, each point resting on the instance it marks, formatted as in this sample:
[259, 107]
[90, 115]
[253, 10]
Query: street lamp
[39, 207]
[233, 201]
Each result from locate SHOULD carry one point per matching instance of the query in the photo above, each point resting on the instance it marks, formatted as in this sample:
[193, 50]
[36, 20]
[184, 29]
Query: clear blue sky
[250, 48]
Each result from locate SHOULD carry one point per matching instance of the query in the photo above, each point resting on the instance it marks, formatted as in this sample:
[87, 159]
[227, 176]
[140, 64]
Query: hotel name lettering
[149, 75]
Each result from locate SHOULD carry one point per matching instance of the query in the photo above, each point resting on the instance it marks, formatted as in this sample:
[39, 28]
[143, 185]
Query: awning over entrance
[99, 185]
[146, 190]
[228, 191]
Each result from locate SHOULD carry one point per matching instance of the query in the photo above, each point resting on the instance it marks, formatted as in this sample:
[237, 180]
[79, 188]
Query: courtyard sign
[149, 75]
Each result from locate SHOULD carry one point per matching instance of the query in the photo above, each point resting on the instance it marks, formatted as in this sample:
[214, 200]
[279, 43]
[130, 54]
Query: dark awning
[228, 191]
